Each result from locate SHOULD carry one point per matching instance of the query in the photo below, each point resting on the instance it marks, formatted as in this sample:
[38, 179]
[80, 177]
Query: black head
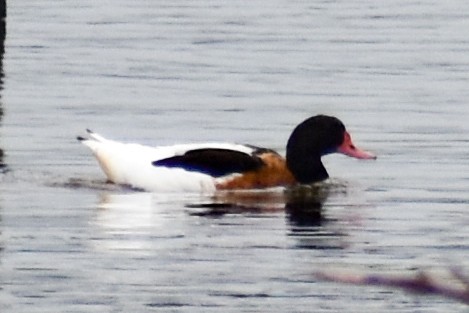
[313, 138]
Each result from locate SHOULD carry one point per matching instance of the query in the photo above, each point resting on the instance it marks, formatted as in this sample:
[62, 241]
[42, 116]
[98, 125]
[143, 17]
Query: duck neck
[306, 171]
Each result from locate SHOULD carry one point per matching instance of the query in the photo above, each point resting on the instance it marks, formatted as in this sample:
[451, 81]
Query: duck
[207, 167]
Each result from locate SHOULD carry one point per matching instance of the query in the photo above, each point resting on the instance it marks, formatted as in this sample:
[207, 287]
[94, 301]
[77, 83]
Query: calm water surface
[161, 72]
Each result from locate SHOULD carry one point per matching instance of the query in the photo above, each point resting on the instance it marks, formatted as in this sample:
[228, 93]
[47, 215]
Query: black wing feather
[214, 162]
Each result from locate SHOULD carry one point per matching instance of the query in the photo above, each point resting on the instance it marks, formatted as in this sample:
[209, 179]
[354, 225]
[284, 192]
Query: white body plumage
[131, 164]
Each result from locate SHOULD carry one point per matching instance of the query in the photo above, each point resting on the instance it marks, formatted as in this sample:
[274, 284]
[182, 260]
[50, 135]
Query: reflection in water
[240, 202]
[121, 212]
[126, 221]
[303, 206]
[3, 12]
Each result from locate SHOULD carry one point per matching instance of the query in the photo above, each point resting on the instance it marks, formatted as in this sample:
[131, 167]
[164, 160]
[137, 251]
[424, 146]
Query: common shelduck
[222, 166]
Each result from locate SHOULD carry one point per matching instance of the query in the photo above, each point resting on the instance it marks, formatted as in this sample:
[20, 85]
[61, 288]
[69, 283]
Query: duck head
[310, 140]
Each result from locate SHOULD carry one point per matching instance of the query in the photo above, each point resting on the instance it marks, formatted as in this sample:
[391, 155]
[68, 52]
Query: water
[161, 72]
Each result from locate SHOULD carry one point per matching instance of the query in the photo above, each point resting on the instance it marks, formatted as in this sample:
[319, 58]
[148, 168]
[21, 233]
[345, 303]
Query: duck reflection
[125, 222]
[303, 207]
[240, 202]
[128, 221]
[307, 218]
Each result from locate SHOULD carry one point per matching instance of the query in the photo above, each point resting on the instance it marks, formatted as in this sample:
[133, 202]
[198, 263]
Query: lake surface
[163, 72]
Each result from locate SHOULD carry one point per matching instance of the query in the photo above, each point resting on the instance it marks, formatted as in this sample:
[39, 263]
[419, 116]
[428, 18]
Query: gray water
[163, 72]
